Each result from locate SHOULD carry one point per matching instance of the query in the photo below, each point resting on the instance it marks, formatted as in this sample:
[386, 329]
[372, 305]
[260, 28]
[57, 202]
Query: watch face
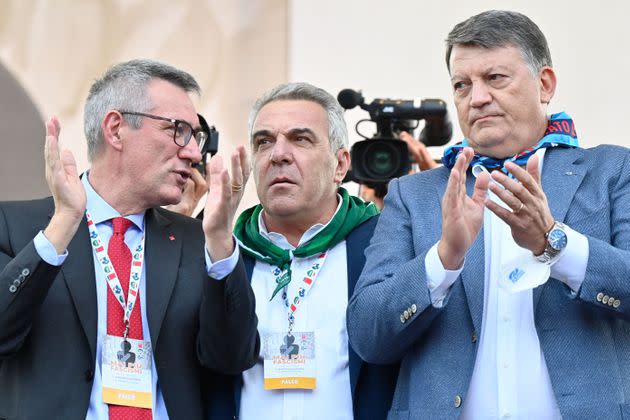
[557, 239]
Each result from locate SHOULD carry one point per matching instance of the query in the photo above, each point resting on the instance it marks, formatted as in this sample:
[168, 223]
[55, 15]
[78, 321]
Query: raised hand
[196, 187]
[66, 188]
[224, 196]
[418, 151]
[530, 217]
[462, 216]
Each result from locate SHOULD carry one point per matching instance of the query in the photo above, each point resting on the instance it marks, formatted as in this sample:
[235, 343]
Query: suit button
[473, 338]
[600, 296]
[616, 303]
[414, 308]
[12, 289]
[457, 401]
[89, 375]
[402, 319]
[605, 299]
[406, 314]
[611, 301]
[17, 282]
[25, 272]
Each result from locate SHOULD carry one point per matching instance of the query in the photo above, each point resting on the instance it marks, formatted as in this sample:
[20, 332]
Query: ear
[112, 125]
[343, 164]
[547, 84]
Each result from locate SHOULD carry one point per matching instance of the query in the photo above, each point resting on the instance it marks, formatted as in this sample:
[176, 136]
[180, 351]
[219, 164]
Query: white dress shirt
[324, 312]
[510, 377]
[101, 213]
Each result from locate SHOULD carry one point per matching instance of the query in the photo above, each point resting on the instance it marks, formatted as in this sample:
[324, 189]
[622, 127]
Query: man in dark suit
[500, 281]
[303, 247]
[100, 266]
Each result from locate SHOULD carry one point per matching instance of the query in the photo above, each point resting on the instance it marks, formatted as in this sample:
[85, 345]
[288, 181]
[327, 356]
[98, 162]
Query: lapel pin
[171, 237]
[568, 173]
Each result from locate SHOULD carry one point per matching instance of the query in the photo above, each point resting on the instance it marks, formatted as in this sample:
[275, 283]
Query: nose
[480, 95]
[190, 152]
[281, 151]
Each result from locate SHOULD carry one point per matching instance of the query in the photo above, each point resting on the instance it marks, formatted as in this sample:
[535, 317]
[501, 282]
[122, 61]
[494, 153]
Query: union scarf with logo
[560, 133]
[352, 212]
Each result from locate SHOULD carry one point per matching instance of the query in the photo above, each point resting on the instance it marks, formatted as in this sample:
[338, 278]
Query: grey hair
[337, 131]
[500, 28]
[124, 87]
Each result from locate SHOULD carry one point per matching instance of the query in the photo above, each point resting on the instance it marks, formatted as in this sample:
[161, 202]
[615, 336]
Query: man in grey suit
[99, 266]
[501, 279]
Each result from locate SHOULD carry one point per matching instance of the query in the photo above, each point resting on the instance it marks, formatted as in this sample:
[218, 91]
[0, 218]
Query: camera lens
[382, 160]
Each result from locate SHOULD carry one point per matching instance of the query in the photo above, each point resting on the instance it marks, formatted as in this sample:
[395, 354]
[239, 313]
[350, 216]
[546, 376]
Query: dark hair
[500, 28]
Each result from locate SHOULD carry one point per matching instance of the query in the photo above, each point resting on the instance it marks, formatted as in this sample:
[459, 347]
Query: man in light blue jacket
[501, 280]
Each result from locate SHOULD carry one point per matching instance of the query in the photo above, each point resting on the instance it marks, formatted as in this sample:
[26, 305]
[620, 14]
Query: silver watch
[556, 242]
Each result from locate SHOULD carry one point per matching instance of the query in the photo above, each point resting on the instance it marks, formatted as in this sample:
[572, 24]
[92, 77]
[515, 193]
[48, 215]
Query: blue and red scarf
[560, 133]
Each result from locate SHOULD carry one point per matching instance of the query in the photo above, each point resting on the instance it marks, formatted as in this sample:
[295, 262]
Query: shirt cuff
[222, 268]
[47, 251]
[439, 279]
[570, 267]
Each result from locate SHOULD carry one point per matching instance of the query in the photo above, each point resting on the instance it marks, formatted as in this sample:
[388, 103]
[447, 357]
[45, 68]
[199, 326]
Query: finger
[512, 186]
[481, 188]
[506, 196]
[502, 213]
[455, 183]
[245, 164]
[199, 184]
[237, 170]
[69, 164]
[51, 146]
[219, 179]
[524, 177]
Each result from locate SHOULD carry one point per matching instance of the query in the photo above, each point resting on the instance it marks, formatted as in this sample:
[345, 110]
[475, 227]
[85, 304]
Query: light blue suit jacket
[586, 343]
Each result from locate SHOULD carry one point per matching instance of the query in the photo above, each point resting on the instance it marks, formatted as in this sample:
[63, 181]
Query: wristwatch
[556, 242]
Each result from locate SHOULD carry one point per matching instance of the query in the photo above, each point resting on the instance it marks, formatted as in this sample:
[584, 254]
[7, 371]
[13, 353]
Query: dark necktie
[120, 255]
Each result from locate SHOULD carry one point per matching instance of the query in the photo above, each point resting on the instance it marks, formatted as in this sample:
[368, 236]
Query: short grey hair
[124, 87]
[500, 28]
[337, 131]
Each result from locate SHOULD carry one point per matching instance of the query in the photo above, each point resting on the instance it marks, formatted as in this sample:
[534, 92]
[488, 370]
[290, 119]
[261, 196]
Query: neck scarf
[560, 133]
[352, 212]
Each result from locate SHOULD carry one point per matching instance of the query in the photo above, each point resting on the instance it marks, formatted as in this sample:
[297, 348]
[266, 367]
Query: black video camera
[211, 146]
[376, 160]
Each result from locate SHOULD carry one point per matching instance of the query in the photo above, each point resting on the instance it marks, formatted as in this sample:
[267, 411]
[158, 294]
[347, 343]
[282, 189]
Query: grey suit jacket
[48, 320]
[586, 343]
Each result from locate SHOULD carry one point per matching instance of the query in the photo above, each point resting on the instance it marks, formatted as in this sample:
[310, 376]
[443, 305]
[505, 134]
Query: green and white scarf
[352, 212]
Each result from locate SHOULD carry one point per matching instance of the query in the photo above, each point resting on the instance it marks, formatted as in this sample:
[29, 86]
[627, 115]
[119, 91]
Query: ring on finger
[237, 187]
[519, 209]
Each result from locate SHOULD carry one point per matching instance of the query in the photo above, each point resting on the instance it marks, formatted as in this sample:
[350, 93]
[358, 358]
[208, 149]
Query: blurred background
[52, 50]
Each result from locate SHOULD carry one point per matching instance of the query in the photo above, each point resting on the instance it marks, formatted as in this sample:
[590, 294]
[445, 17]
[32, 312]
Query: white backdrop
[396, 49]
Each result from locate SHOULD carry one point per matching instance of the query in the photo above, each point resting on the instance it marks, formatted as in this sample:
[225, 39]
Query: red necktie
[120, 255]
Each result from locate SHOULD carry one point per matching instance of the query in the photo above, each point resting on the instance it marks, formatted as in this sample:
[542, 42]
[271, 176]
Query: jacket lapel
[356, 243]
[162, 260]
[563, 172]
[78, 272]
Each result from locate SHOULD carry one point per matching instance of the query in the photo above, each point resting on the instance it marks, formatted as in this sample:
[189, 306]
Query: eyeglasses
[182, 131]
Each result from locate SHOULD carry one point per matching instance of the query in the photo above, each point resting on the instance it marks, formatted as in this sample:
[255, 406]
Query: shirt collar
[101, 211]
[280, 240]
[540, 152]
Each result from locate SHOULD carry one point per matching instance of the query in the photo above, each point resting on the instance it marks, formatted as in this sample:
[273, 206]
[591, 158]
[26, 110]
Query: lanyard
[111, 276]
[305, 286]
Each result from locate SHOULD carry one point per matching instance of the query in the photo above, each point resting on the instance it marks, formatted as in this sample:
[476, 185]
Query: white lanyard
[110, 274]
[307, 283]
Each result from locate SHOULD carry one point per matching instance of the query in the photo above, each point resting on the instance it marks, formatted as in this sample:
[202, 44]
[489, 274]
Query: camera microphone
[436, 131]
[349, 98]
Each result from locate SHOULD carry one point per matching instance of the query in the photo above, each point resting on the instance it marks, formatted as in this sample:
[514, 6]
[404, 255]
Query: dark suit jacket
[372, 385]
[48, 325]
